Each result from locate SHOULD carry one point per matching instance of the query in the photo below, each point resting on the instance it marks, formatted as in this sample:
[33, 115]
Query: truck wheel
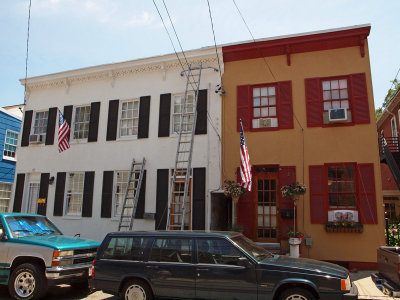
[27, 281]
[136, 290]
[296, 294]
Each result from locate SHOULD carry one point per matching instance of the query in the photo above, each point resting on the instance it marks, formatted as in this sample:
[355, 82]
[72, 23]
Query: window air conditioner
[343, 215]
[36, 138]
[337, 114]
[264, 123]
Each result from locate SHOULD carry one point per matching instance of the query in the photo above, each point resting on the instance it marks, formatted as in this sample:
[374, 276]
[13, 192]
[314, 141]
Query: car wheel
[27, 281]
[296, 294]
[136, 290]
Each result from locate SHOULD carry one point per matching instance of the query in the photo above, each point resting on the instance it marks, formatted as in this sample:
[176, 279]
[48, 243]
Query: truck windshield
[21, 226]
[256, 251]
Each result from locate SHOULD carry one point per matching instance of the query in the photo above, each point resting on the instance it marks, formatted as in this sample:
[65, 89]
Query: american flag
[63, 132]
[245, 167]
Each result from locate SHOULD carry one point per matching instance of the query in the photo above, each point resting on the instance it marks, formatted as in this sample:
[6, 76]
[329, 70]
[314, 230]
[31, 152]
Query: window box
[344, 226]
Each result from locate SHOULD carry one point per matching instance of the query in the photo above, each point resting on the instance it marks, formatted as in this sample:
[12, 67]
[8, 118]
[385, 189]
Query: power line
[215, 42]
[255, 43]
[27, 51]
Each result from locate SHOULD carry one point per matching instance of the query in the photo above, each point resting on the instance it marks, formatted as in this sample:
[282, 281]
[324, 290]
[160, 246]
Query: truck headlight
[345, 284]
[63, 253]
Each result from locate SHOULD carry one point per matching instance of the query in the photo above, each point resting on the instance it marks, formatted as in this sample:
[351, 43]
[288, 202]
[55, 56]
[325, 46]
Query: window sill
[70, 217]
[9, 158]
[128, 138]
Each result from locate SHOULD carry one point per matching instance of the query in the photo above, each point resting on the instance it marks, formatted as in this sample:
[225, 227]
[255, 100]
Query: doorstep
[367, 289]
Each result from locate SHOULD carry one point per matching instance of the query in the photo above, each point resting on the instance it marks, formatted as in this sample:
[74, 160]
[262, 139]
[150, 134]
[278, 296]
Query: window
[5, 194]
[125, 248]
[393, 126]
[178, 198]
[335, 94]
[341, 187]
[81, 122]
[217, 251]
[121, 181]
[10, 145]
[264, 107]
[174, 250]
[74, 194]
[178, 111]
[40, 123]
[129, 118]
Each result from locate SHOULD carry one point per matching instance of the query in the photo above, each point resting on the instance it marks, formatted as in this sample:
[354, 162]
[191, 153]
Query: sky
[72, 34]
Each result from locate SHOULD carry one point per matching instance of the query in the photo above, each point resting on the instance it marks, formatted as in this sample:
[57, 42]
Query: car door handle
[152, 267]
[203, 269]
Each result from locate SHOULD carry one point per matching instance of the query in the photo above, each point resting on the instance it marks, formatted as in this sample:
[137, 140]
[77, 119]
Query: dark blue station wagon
[210, 265]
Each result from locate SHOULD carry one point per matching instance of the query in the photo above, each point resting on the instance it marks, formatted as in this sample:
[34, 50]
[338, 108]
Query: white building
[118, 112]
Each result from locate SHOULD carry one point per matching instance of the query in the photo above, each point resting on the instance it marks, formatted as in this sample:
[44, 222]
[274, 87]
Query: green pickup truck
[35, 254]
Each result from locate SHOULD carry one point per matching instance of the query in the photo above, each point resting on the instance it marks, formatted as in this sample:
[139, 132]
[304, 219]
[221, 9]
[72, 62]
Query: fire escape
[389, 151]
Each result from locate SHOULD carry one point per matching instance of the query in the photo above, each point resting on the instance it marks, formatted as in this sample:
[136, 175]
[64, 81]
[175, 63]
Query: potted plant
[233, 190]
[344, 226]
[295, 238]
[293, 190]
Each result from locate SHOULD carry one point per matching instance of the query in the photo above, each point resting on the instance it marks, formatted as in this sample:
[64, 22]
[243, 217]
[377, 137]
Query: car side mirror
[3, 236]
[244, 262]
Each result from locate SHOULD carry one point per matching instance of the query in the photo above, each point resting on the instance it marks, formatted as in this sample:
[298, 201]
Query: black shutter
[199, 198]
[201, 121]
[164, 115]
[68, 117]
[26, 128]
[94, 121]
[88, 194]
[51, 125]
[107, 194]
[162, 199]
[112, 123]
[144, 115]
[19, 192]
[142, 199]
[59, 195]
[43, 192]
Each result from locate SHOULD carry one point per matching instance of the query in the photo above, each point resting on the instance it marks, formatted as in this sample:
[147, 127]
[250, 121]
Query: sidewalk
[367, 290]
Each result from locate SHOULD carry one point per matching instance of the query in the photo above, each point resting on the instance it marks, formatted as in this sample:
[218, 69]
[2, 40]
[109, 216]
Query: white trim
[129, 137]
[10, 114]
[67, 181]
[10, 158]
[73, 140]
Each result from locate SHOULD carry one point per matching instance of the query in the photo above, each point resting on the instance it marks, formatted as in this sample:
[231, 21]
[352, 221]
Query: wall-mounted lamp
[51, 180]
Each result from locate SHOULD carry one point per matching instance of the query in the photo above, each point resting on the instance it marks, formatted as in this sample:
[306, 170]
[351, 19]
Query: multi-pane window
[178, 111]
[341, 187]
[129, 119]
[177, 200]
[264, 110]
[335, 94]
[5, 194]
[266, 208]
[40, 123]
[120, 189]
[81, 122]
[10, 144]
[74, 194]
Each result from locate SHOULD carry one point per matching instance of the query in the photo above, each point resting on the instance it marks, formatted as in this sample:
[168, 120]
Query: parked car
[210, 265]
[34, 254]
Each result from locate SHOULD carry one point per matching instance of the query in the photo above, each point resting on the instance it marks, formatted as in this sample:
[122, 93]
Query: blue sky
[72, 34]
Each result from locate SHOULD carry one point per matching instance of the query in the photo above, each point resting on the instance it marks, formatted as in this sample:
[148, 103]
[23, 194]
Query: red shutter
[317, 195]
[244, 107]
[313, 102]
[285, 105]
[367, 194]
[287, 175]
[360, 105]
[245, 211]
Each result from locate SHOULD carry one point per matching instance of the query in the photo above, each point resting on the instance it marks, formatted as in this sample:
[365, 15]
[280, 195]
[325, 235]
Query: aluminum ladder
[129, 206]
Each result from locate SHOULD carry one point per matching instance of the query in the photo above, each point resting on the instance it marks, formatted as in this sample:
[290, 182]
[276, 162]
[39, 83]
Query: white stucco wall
[129, 80]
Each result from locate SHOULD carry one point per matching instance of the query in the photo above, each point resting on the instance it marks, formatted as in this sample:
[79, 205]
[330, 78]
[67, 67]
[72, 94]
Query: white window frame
[116, 212]
[10, 144]
[133, 136]
[341, 99]
[393, 127]
[33, 129]
[78, 193]
[73, 138]
[173, 113]
[4, 199]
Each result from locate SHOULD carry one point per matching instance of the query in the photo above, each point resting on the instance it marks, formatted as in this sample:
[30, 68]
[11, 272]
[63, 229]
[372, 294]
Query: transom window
[5, 194]
[335, 94]
[129, 118]
[10, 144]
[341, 187]
[40, 123]
[121, 180]
[81, 122]
[188, 114]
[264, 107]
[74, 195]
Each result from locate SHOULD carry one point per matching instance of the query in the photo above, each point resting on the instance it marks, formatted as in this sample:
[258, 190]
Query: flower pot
[294, 247]
[294, 241]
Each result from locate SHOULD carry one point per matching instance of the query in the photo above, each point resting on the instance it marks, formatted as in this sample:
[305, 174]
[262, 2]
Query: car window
[251, 248]
[125, 248]
[171, 250]
[217, 251]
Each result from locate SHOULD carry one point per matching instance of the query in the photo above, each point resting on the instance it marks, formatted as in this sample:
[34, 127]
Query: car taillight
[92, 268]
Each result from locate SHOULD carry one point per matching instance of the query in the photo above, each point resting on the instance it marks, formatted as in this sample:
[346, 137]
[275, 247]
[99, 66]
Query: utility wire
[27, 51]
[215, 42]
